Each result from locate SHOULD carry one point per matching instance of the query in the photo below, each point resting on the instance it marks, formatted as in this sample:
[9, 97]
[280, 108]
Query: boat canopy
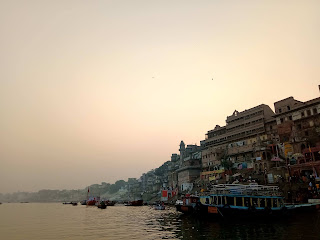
[241, 189]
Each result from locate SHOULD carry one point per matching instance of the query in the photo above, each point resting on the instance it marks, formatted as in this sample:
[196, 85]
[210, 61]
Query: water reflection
[57, 221]
[300, 227]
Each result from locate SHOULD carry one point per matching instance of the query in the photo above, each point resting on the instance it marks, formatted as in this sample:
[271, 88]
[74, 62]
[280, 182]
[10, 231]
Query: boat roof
[241, 189]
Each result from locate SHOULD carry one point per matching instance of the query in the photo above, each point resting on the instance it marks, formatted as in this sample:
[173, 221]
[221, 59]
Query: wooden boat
[135, 203]
[190, 204]
[102, 205]
[110, 203]
[93, 201]
[83, 202]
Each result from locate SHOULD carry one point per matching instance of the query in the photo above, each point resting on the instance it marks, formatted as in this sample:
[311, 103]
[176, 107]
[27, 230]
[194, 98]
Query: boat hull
[135, 203]
[91, 202]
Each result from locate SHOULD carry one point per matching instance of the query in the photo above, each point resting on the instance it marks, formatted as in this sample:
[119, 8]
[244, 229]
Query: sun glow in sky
[94, 91]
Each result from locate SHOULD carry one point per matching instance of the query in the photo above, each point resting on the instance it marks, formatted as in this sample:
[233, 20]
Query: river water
[35, 221]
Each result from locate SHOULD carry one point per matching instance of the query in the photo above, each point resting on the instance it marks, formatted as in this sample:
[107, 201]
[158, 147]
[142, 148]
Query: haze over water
[45, 221]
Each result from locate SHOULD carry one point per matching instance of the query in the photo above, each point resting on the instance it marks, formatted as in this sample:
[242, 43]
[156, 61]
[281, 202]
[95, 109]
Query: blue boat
[242, 201]
[247, 201]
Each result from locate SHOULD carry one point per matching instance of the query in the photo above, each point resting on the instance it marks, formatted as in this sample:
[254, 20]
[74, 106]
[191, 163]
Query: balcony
[240, 149]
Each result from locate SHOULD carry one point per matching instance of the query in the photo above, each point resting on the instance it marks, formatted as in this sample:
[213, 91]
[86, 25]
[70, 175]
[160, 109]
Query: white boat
[159, 207]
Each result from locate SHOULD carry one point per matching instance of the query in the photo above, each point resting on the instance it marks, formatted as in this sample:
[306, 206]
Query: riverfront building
[243, 141]
[298, 125]
[185, 168]
[259, 140]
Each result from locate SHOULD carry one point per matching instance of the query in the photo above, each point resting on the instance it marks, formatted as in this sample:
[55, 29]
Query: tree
[226, 164]
[116, 186]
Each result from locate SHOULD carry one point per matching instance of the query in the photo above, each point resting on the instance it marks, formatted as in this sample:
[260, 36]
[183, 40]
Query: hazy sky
[94, 91]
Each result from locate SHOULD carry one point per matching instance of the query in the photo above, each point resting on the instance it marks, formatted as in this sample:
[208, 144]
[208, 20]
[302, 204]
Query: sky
[98, 91]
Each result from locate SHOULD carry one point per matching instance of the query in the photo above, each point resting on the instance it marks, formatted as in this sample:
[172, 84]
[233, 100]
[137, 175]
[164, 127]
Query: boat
[190, 204]
[93, 201]
[83, 202]
[134, 203]
[71, 203]
[110, 203]
[159, 207]
[102, 205]
[247, 201]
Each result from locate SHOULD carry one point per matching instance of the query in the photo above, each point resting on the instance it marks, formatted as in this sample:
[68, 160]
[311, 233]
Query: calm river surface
[57, 221]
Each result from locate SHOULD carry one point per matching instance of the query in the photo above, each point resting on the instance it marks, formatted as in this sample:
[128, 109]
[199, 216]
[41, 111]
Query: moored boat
[189, 204]
[135, 203]
[71, 203]
[93, 201]
[110, 203]
[102, 205]
[247, 201]
[159, 206]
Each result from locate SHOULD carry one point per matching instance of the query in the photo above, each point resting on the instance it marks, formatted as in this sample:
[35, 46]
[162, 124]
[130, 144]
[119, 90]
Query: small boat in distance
[71, 203]
[92, 201]
[159, 206]
[109, 203]
[135, 203]
[102, 205]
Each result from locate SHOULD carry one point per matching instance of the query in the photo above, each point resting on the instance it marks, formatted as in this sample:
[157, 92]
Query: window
[239, 201]
[309, 112]
[306, 133]
[279, 110]
[270, 127]
[290, 118]
[302, 114]
[299, 126]
[281, 120]
[288, 107]
[315, 111]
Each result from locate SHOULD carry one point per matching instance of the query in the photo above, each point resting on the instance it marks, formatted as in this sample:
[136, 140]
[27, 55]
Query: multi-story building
[172, 174]
[298, 125]
[211, 162]
[243, 141]
[189, 170]
[185, 167]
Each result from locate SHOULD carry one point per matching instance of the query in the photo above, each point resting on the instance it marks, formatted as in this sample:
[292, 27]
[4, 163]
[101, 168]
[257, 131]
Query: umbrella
[276, 159]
